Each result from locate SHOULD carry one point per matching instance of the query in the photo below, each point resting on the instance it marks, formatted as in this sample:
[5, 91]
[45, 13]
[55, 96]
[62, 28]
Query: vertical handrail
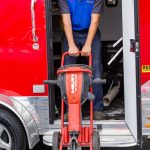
[34, 36]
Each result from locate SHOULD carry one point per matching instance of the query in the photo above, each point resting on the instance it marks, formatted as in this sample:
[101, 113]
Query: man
[81, 19]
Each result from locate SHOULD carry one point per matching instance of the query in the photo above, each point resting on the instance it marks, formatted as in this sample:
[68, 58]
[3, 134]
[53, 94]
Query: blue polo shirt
[80, 11]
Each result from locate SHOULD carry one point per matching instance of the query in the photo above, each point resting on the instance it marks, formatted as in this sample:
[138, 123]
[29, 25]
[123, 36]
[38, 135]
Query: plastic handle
[52, 82]
[99, 81]
[67, 53]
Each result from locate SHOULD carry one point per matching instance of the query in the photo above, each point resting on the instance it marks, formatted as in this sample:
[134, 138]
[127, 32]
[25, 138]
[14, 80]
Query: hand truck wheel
[96, 140]
[56, 140]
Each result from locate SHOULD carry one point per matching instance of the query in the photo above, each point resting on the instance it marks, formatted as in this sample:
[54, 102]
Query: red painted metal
[71, 71]
[62, 125]
[80, 52]
[74, 117]
[91, 122]
[144, 25]
[86, 135]
[74, 96]
[66, 136]
[21, 67]
[74, 106]
[84, 141]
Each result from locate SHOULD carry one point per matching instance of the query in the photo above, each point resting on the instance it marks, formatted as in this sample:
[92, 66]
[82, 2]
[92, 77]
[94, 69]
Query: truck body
[26, 60]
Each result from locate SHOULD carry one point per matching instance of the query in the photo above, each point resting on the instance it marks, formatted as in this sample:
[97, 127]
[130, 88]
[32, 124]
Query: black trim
[138, 77]
[51, 89]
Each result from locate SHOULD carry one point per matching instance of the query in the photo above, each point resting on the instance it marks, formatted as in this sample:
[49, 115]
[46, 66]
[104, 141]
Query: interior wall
[111, 23]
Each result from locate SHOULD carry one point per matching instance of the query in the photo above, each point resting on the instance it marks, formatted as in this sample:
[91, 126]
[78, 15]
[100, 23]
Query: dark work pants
[80, 39]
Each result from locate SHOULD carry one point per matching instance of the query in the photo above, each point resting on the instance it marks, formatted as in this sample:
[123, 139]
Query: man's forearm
[93, 28]
[68, 28]
[73, 50]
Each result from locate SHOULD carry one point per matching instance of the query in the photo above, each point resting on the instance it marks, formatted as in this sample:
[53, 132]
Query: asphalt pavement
[146, 146]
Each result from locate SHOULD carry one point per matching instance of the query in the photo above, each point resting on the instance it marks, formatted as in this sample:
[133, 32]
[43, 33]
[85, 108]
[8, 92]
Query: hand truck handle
[67, 53]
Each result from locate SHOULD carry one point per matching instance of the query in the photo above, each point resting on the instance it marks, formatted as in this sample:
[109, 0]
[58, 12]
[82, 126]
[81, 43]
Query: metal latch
[132, 45]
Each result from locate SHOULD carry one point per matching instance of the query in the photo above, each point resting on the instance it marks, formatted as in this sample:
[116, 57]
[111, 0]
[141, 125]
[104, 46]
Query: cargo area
[111, 32]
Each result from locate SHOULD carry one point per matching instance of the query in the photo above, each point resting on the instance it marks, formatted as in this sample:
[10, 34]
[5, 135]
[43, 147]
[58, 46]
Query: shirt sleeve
[98, 7]
[63, 5]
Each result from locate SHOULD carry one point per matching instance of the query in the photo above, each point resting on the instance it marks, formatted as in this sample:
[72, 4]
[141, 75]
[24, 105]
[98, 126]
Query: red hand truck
[75, 82]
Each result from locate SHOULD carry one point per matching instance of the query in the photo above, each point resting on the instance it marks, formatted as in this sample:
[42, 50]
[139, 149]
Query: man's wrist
[88, 44]
[71, 44]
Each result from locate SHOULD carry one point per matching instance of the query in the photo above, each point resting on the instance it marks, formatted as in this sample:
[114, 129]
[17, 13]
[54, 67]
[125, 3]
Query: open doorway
[121, 72]
[111, 32]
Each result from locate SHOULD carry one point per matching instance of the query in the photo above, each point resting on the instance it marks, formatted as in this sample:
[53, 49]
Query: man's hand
[73, 50]
[86, 50]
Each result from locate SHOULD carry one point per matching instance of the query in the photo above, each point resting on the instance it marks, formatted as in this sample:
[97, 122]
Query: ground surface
[146, 146]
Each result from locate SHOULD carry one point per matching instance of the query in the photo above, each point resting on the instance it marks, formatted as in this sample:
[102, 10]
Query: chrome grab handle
[115, 56]
[35, 38]
[118, 53]
[115, 44]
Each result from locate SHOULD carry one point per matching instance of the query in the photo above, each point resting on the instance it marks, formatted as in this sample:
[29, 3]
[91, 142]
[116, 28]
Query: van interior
[111, 32]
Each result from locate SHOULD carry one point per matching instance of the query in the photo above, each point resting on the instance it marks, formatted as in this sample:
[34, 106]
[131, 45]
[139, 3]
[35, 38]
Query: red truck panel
[145, 37]
[21, 66]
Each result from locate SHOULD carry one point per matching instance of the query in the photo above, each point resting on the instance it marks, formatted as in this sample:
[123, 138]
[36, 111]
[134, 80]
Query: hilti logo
[73, 83]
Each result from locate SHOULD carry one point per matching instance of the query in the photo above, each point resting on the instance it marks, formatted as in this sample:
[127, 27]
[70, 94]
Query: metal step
[112, 133]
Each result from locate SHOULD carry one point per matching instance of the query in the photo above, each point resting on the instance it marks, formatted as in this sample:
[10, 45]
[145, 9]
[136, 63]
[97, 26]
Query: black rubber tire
[15, 129]
[96, 140]
[56, 140]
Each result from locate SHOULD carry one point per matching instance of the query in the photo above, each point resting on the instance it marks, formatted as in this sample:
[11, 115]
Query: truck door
[131, 67]
[23, 57]
[144, 13]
